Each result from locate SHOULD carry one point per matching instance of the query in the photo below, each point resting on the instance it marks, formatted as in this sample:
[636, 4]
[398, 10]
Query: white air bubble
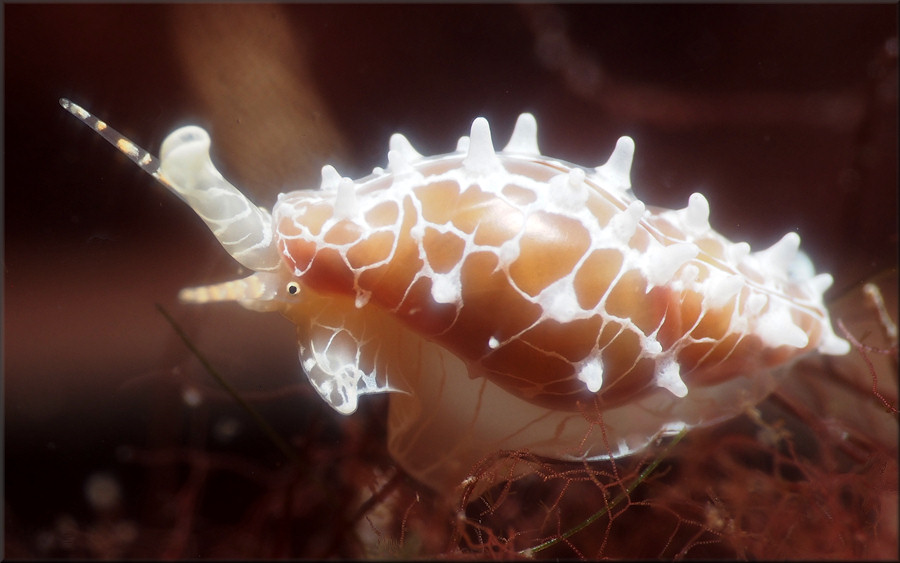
[102, 491]
[191, 396]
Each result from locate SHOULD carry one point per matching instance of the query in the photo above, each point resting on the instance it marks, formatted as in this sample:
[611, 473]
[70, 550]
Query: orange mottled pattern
[532, 356]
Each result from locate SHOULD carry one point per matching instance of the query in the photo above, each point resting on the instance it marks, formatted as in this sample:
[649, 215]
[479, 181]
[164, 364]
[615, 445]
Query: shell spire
[524, 136]
[330, 178]
[780, 256]
[402, 145]
[616, 172]
[480, 157]
[346, 204]
[696, 214]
